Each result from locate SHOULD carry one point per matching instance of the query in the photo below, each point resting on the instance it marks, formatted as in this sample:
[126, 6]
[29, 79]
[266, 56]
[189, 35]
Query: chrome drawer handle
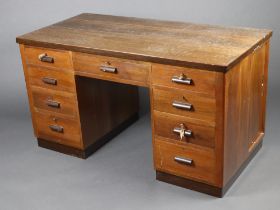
[182, 131]
[53, 104]
[182, 79]
[49, 81]
[182, 105]
[56, 128]
[109, 69]
[45, 58]
[186, 161]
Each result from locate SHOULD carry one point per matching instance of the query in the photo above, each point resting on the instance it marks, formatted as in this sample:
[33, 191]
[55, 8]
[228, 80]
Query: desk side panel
[28, 87]
[245, 95]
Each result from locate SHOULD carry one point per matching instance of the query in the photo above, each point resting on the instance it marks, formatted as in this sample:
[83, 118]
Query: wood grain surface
[177, 43]
[61, 59]
[164, 123]
[203, 107]
[244, 103]
[202, 169]
[126, 71]
[65, 80]
[71, 134]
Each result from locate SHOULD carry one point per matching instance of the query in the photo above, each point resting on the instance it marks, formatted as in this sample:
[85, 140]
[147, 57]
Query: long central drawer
[114, 69]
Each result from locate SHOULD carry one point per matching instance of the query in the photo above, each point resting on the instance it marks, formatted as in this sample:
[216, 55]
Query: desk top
[175, 43]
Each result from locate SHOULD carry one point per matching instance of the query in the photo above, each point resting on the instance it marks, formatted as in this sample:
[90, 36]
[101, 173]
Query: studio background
[34, 178]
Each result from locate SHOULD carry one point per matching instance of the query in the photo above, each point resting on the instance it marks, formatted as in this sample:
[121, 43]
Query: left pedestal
[73, 115]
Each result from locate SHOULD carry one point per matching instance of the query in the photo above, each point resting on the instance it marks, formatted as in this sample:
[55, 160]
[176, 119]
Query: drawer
[185, 161]
[55, 101]
[114, 69]
[51, 79]
[61, 130]
[184, 78]
[48, 57]
[169, 126]
[184, 103]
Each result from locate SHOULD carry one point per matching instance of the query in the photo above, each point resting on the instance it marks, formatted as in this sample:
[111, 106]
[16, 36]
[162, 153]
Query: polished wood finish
[129, 72]
[71, 134]
[65, 80]
[88, 121]
[85, 153]
[61, 58]
[203, 187]
[201, 134]
[167, 42]
[202, 169]
[55, 101]
[203, 107]
[245, 91]
[209, 83]
[201, 81]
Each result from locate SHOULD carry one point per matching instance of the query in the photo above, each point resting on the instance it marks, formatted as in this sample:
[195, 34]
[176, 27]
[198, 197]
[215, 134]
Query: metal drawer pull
[45, 58]
[109, 69]
[53, 104]
[56, 128]
[182, 79]
[186, 161]
[49, 81]
[182, 105]
[182, 131]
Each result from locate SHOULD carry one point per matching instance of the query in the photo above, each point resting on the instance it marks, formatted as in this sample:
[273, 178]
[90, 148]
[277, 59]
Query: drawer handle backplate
[186, 161]
[45, 58]
[49, 81]
[109, 69]
[182, 131]
[56, 128]
[182, 105]
[182, 79]
[53, 104]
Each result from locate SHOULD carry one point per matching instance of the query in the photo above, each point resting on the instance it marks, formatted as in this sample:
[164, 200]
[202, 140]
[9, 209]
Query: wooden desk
[207, 88]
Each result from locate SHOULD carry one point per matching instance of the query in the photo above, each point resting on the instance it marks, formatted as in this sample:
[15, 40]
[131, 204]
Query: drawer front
[51, 79]
[48, 57]
[184, 78]
[55, 101]
[184, 103]
[114, 69]
[182, 130]
[187, 162]
[57, 129]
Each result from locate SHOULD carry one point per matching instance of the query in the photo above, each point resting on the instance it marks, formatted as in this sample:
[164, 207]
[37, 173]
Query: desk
[207, 91]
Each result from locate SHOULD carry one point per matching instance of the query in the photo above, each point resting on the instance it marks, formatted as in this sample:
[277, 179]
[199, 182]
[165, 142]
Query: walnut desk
[207, 89]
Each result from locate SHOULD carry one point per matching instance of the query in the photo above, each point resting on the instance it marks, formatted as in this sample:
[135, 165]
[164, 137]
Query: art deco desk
[207, 89]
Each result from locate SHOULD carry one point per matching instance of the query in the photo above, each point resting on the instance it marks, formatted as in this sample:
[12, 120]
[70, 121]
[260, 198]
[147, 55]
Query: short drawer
[114, 69]
[51, 79]
[185, 161]
[48, 57]
[184, 103]
[182, 130]
[61, 130]
[55, 101]
[184, 78]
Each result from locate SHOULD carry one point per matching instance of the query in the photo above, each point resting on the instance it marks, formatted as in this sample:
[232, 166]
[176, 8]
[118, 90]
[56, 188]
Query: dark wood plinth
[93, 147]
[202, 187]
